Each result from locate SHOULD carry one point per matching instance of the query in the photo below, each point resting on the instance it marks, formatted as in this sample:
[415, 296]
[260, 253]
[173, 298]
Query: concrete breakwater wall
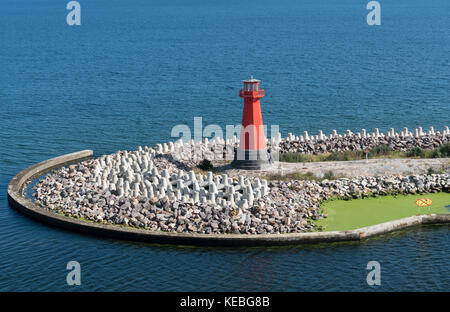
[18, 182]
[17, 200]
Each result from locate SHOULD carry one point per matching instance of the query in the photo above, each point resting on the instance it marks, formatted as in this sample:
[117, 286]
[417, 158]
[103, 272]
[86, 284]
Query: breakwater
[191, 152]
[18, 200]
[403, 141]
[155, 189]
[192, 203]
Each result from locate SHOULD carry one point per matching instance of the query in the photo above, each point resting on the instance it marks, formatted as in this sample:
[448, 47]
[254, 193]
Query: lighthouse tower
[251, 153]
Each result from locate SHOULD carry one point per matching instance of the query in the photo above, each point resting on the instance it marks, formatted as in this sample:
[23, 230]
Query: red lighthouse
[252, 153]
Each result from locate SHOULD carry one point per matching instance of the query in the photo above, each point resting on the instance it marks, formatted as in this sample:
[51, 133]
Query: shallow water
[134, 69]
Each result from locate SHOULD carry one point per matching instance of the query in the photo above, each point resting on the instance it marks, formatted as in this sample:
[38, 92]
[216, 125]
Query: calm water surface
[134, 69]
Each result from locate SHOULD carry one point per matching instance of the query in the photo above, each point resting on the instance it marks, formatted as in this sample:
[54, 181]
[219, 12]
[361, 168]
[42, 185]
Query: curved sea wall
[19, 201]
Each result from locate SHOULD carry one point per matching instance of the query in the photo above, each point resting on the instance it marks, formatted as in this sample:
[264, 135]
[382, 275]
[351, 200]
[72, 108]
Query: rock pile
[386, 185]
[136, 174]
[350, 141]
[73, 191]
[287, 207]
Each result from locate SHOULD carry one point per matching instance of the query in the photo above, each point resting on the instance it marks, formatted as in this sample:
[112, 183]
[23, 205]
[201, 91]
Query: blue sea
[134, 69]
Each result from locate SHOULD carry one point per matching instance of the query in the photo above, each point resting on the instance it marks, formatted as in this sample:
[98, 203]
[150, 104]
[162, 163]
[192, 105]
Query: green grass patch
[357, 213]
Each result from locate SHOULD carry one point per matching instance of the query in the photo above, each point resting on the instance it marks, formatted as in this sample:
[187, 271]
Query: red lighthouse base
[251, 159]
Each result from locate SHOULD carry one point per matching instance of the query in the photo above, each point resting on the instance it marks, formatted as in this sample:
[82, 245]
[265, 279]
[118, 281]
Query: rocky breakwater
[140, 174]
[73, 192]
[191, 153]
[149, 189]
[403, 141]
[127, 188]
[360, 187]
